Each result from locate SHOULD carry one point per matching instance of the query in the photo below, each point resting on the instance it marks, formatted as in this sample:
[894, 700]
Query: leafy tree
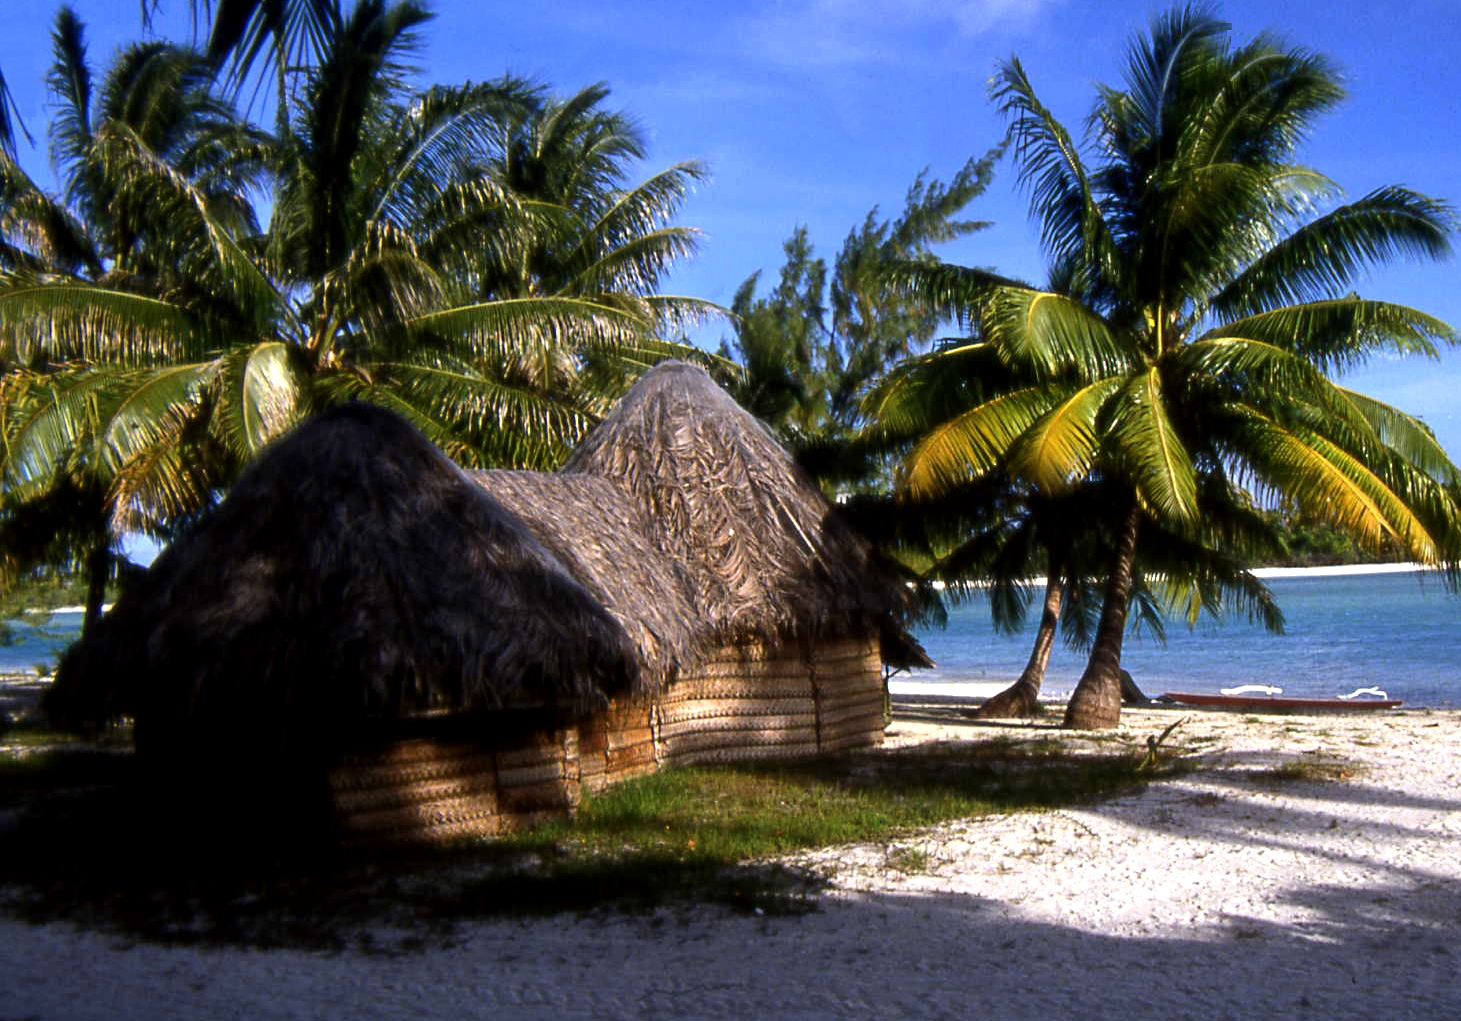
[813, 345]
[1216, 297]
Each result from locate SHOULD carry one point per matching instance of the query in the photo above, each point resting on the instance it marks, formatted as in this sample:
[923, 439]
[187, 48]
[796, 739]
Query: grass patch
[1307, 771]
[83, 842]
[907, 860]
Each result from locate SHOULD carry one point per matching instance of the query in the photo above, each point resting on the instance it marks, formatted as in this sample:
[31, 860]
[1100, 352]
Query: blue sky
[813, 111]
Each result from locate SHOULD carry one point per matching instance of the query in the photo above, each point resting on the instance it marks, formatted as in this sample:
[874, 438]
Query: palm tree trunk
[98, 572]
[1096, 702]
[1023, 697]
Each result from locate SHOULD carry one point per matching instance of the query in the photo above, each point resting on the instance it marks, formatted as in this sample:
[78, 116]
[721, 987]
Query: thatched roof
[591, 526]
[353, 572]
[764, 552]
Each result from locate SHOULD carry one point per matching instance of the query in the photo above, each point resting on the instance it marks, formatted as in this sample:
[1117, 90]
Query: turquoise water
[1400, 632]
[31, 646]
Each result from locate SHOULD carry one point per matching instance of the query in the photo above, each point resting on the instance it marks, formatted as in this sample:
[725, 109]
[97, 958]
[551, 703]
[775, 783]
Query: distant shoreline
[1323, 571]
[1336, 570]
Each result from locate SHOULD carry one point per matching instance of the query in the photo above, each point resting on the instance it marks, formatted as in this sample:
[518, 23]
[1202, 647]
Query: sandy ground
[1229, 893]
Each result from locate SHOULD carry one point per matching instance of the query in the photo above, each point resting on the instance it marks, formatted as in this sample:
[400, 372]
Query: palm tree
[192, 337]
[998, 530]
[1194, 363]
[593, 234]
[93, 422]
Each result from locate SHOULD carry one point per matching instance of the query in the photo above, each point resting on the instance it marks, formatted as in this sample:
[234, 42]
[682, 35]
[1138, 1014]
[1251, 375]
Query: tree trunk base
[1020, 699]
[1095, 704]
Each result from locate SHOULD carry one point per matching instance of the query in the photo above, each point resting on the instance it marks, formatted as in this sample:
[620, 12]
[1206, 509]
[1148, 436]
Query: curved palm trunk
[1096, 701]
[1023, 697]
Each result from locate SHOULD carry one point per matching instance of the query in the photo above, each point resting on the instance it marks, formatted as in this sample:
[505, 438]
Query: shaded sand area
[1308, 869]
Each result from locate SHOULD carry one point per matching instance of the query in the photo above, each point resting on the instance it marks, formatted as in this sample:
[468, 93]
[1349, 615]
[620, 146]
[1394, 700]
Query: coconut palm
[998, 530]
[1219, 295]
[593, 233]
[93, 421]
[192, 338]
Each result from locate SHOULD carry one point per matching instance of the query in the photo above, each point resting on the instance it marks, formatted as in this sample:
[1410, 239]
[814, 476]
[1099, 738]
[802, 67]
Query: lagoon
[1398, 630]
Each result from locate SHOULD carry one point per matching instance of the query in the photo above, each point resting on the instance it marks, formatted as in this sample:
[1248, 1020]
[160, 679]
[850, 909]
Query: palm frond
[75, 319]
[1339, 333]
[528, 327]
[1053, 334]
[261, 394]
[1063, 446]
[1321, 259]
[207, 249]
[1159, 463]
[1061, 197]
[1409, 437]
[976, 441]
[1329, 484]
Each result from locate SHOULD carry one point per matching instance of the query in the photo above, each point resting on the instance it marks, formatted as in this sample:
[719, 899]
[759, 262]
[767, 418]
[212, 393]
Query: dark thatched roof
[763, 551]
[352, 573]
[591, 525]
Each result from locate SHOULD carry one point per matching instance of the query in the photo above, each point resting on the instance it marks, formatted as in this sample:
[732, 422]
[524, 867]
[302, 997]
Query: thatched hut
[357, 611]
[790, 605]
[449, 653]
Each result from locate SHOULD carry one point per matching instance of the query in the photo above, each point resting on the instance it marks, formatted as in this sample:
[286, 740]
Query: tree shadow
[1377, 946]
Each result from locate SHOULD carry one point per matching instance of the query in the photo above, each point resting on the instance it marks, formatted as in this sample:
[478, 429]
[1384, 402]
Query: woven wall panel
[509, 759]
[849, 679]
[713, 755]
[629, 756]
[738, 738]
[388, 775]
[631, 738]
[788, 667]
[772, 724]
[549, 795]
[870, 704]
[482, 786]
[867, 717]
[530, 774]
[424, 823]
[696, 688]
[425, 790]
[410, 761]
[707, 708]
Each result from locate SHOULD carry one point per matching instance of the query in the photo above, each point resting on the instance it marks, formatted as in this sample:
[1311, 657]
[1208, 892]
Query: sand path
[1233, 892]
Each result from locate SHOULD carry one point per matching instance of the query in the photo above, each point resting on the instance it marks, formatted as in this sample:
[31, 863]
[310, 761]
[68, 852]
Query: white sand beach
[1235, 892]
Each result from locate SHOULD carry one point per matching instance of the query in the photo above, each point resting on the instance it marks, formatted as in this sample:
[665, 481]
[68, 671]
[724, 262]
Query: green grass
[87, 844]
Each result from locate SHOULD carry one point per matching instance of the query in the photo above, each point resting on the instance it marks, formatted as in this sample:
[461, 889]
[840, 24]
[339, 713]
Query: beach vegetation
[1318, 769]
[1188, 365]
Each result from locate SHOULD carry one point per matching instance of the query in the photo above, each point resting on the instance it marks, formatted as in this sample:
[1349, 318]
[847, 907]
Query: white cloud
[844, 33]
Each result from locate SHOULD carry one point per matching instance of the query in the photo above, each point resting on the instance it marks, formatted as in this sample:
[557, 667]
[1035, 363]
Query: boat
[1277, 703]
